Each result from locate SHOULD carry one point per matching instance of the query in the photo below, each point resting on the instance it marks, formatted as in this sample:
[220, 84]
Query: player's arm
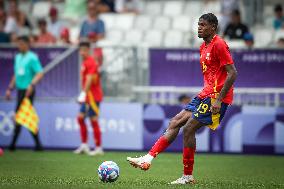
[231, 77]
[89, 80]
[11, 86]
[34, 82]
[91, 71]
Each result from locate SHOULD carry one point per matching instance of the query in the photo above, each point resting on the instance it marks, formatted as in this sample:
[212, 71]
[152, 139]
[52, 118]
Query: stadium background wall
[135, 126]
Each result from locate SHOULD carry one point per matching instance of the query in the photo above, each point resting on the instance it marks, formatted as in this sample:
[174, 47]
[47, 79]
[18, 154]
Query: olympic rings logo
[6, 123]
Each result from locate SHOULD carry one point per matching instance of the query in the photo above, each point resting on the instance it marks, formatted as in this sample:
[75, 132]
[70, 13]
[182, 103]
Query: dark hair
[41, 21]
[278, 8]
[210, 18]
[24, 38]
[236, 12]
[84, 44]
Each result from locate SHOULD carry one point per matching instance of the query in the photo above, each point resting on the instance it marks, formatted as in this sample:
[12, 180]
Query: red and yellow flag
[27, 116]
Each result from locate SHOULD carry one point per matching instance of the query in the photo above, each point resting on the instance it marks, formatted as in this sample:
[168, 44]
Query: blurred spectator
[105, 6]
[249, 40]
[54, 25]
[2, 4]
[184, 99]
[280, 43]
[227, 7]
[64, 37]
[236, 29]
[16, 19]
[4, 37]
[279, 17]
[74, 9]
[92, 28]
[127, 6]
[44, 36]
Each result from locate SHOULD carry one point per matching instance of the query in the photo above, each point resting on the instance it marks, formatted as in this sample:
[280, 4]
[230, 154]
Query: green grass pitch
[62, 169]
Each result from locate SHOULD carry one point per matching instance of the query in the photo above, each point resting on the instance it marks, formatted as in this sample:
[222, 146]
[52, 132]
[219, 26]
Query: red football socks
[83, 129]
[97, 133]
[188, 160]
[161, 144]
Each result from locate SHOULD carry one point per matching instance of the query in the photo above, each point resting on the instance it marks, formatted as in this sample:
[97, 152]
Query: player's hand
[215, 107]
[29, 91]
[82, 97]
[8, 94]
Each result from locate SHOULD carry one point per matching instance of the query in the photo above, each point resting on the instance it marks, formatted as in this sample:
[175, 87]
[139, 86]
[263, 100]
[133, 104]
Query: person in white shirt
[54, 25]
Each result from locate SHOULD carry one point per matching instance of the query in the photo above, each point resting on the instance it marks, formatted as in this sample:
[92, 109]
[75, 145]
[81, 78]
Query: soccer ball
[108, 171]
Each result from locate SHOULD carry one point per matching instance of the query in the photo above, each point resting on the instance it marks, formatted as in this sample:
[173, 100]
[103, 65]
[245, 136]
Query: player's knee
[173, 123]
[94, 118]
[80, 117]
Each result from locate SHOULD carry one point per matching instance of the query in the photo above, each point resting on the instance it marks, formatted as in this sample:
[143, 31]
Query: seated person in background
[92, 25]
[278, 22]
[105, 5]
[280, 42]
[227, 6]
[236, 29]
[127, 6]
[16, 19]
[44, 36]
[54, 25]
[64, 37]
[249, 40]
[4, 37]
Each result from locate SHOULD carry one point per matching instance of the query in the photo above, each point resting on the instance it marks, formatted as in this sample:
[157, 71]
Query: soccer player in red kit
[89, 98]
[207, 108]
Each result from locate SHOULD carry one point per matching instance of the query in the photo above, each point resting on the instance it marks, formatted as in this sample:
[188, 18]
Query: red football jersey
[213, 58]
[89, 66]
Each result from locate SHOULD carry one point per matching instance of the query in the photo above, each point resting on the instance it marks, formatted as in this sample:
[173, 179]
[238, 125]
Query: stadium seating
[109, 19]
[133, 37]
[173, 8]
[143, 22]
[123, 21]
[162, 23]
[182, 23]
[173, 38]
[263, 37]
[153, 38]
[153, 8]
[166, 18]
[41, 9]
[115, 36]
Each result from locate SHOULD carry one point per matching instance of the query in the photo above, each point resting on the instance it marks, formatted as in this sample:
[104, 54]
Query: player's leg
[84, 147]
[189, 142]
[163, 142]
[171, 133]
[17, 130]
[97, 137]
[17, 127]
[38, 146]
[201, 116]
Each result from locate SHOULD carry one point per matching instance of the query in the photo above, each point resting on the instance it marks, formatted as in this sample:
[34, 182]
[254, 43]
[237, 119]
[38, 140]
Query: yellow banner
[27, 116]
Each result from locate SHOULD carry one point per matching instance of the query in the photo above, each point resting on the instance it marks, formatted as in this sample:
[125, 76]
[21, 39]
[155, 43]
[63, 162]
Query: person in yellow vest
[27, 73]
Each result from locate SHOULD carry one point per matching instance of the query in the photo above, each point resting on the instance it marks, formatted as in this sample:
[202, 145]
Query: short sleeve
[82, 30]
[223, 53]
[101, 27]
[91, 67]
[36, 65]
